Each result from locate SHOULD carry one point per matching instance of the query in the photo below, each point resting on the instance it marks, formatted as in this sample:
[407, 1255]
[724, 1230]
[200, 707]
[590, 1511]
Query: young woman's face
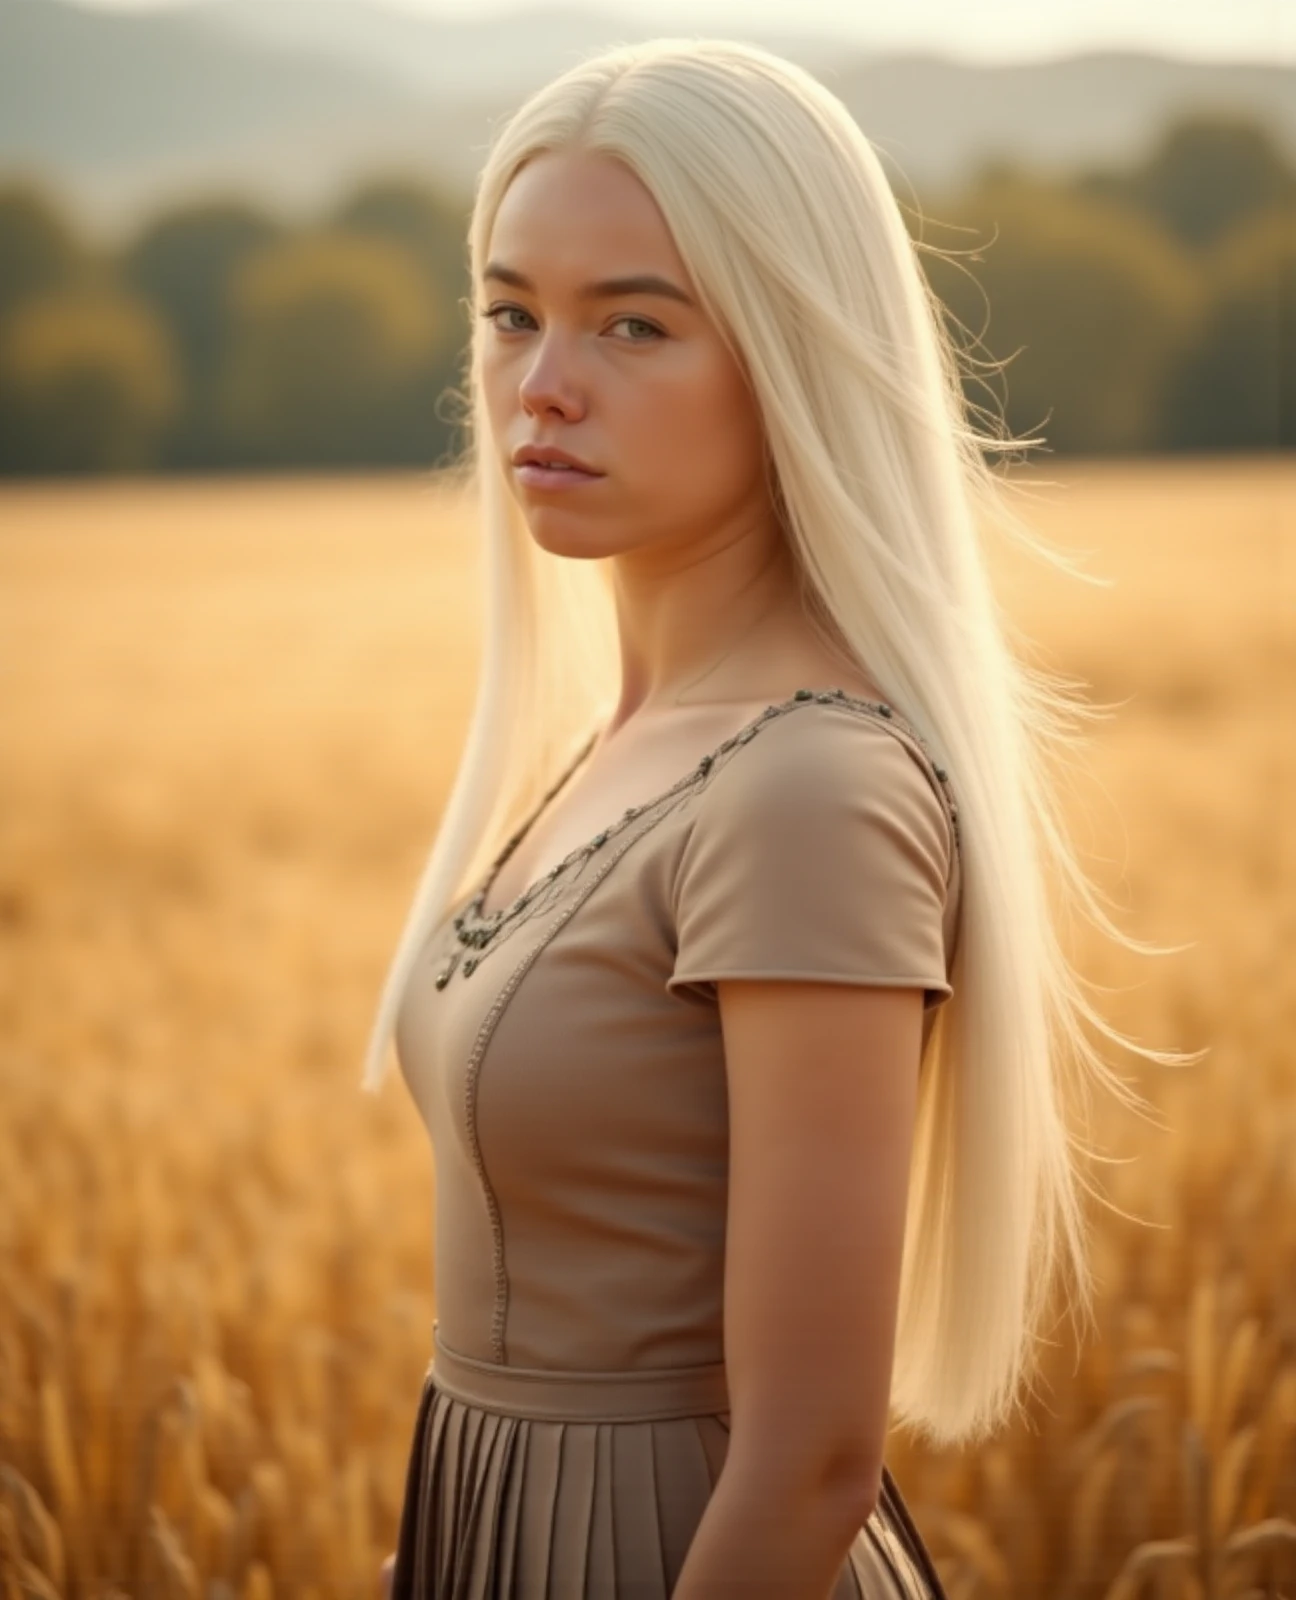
[629, 377]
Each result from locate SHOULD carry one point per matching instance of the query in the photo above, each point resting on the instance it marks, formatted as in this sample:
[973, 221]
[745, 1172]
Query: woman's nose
[551, 382]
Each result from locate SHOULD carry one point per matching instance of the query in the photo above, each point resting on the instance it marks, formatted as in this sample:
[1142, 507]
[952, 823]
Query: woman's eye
[652, 329]
[495, 311]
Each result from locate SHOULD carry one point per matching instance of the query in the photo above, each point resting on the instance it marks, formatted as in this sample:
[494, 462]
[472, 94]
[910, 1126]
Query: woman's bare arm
[823, 1081]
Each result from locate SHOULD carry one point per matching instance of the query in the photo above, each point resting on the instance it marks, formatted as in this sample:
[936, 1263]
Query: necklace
[475, 930]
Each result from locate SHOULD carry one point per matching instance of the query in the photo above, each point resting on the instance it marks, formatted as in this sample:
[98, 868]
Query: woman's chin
[564, 531]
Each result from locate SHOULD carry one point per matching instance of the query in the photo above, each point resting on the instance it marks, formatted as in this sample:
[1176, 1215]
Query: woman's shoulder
[828, 758]
[820, 847]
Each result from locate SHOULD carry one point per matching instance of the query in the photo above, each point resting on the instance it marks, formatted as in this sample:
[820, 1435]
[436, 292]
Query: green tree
[182, 262]
[1236, 387]
[88, 382]
[39, 248]
[335, 347]
[1089, 305]
[1208, 174]
[432, 225]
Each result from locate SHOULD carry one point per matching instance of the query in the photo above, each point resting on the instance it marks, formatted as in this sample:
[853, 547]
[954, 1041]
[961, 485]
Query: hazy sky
[1256, 30]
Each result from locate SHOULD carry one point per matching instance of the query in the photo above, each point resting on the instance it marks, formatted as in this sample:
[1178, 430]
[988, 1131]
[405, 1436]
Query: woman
[733, 1020]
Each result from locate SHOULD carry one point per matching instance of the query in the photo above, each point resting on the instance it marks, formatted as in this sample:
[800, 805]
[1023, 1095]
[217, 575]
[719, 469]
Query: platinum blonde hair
[799, 252]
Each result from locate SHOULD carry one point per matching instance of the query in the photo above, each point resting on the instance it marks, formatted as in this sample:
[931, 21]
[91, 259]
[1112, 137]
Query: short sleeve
[820, 850]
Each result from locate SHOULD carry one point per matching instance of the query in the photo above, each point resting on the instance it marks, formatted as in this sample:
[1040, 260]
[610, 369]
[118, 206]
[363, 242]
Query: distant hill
[292, 102]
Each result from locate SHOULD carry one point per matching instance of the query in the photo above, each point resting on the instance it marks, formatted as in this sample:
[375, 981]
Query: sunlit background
[232, 232]
[238, 635]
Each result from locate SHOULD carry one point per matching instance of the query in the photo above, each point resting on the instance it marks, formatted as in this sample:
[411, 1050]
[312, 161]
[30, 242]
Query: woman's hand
[385, 1578]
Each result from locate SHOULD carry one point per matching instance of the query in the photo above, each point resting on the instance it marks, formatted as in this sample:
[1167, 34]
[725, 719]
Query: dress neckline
[474, 925]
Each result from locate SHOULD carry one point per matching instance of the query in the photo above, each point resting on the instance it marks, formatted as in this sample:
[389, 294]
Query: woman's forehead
[570, 218]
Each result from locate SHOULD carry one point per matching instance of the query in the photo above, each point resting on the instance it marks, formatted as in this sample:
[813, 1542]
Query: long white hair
[798, 249]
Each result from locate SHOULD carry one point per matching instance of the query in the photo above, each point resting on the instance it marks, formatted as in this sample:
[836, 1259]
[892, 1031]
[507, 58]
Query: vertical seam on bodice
[499, 1314]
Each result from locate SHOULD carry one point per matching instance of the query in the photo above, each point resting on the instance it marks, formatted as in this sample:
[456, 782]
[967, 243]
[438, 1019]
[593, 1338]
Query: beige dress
[567, 1059]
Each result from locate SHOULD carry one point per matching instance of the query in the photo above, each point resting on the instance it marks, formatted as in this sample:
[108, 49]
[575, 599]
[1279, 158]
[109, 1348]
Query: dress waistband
[562, 1396]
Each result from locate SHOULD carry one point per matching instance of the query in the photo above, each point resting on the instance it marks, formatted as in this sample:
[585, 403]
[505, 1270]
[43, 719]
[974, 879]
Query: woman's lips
[534, 476]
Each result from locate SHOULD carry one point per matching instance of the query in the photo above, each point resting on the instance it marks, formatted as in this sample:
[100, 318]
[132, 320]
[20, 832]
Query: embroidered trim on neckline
[475, 929]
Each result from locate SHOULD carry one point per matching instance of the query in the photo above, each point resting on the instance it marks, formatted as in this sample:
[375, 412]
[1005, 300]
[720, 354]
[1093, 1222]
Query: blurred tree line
[1115, 311]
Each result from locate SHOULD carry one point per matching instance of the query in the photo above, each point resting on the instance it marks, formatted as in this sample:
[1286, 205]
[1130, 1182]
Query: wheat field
[228, 714]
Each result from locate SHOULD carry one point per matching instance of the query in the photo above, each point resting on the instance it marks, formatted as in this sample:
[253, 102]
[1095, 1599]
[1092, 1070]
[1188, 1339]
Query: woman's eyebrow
[606, 288]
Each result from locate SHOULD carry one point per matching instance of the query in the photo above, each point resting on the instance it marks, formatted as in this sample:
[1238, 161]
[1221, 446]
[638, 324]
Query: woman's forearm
[760, 1539]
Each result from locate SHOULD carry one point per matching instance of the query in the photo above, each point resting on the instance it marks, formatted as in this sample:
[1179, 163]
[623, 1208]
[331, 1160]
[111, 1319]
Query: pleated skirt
[531, 1485]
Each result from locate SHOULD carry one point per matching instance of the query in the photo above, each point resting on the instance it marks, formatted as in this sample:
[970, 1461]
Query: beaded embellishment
[475, 931]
